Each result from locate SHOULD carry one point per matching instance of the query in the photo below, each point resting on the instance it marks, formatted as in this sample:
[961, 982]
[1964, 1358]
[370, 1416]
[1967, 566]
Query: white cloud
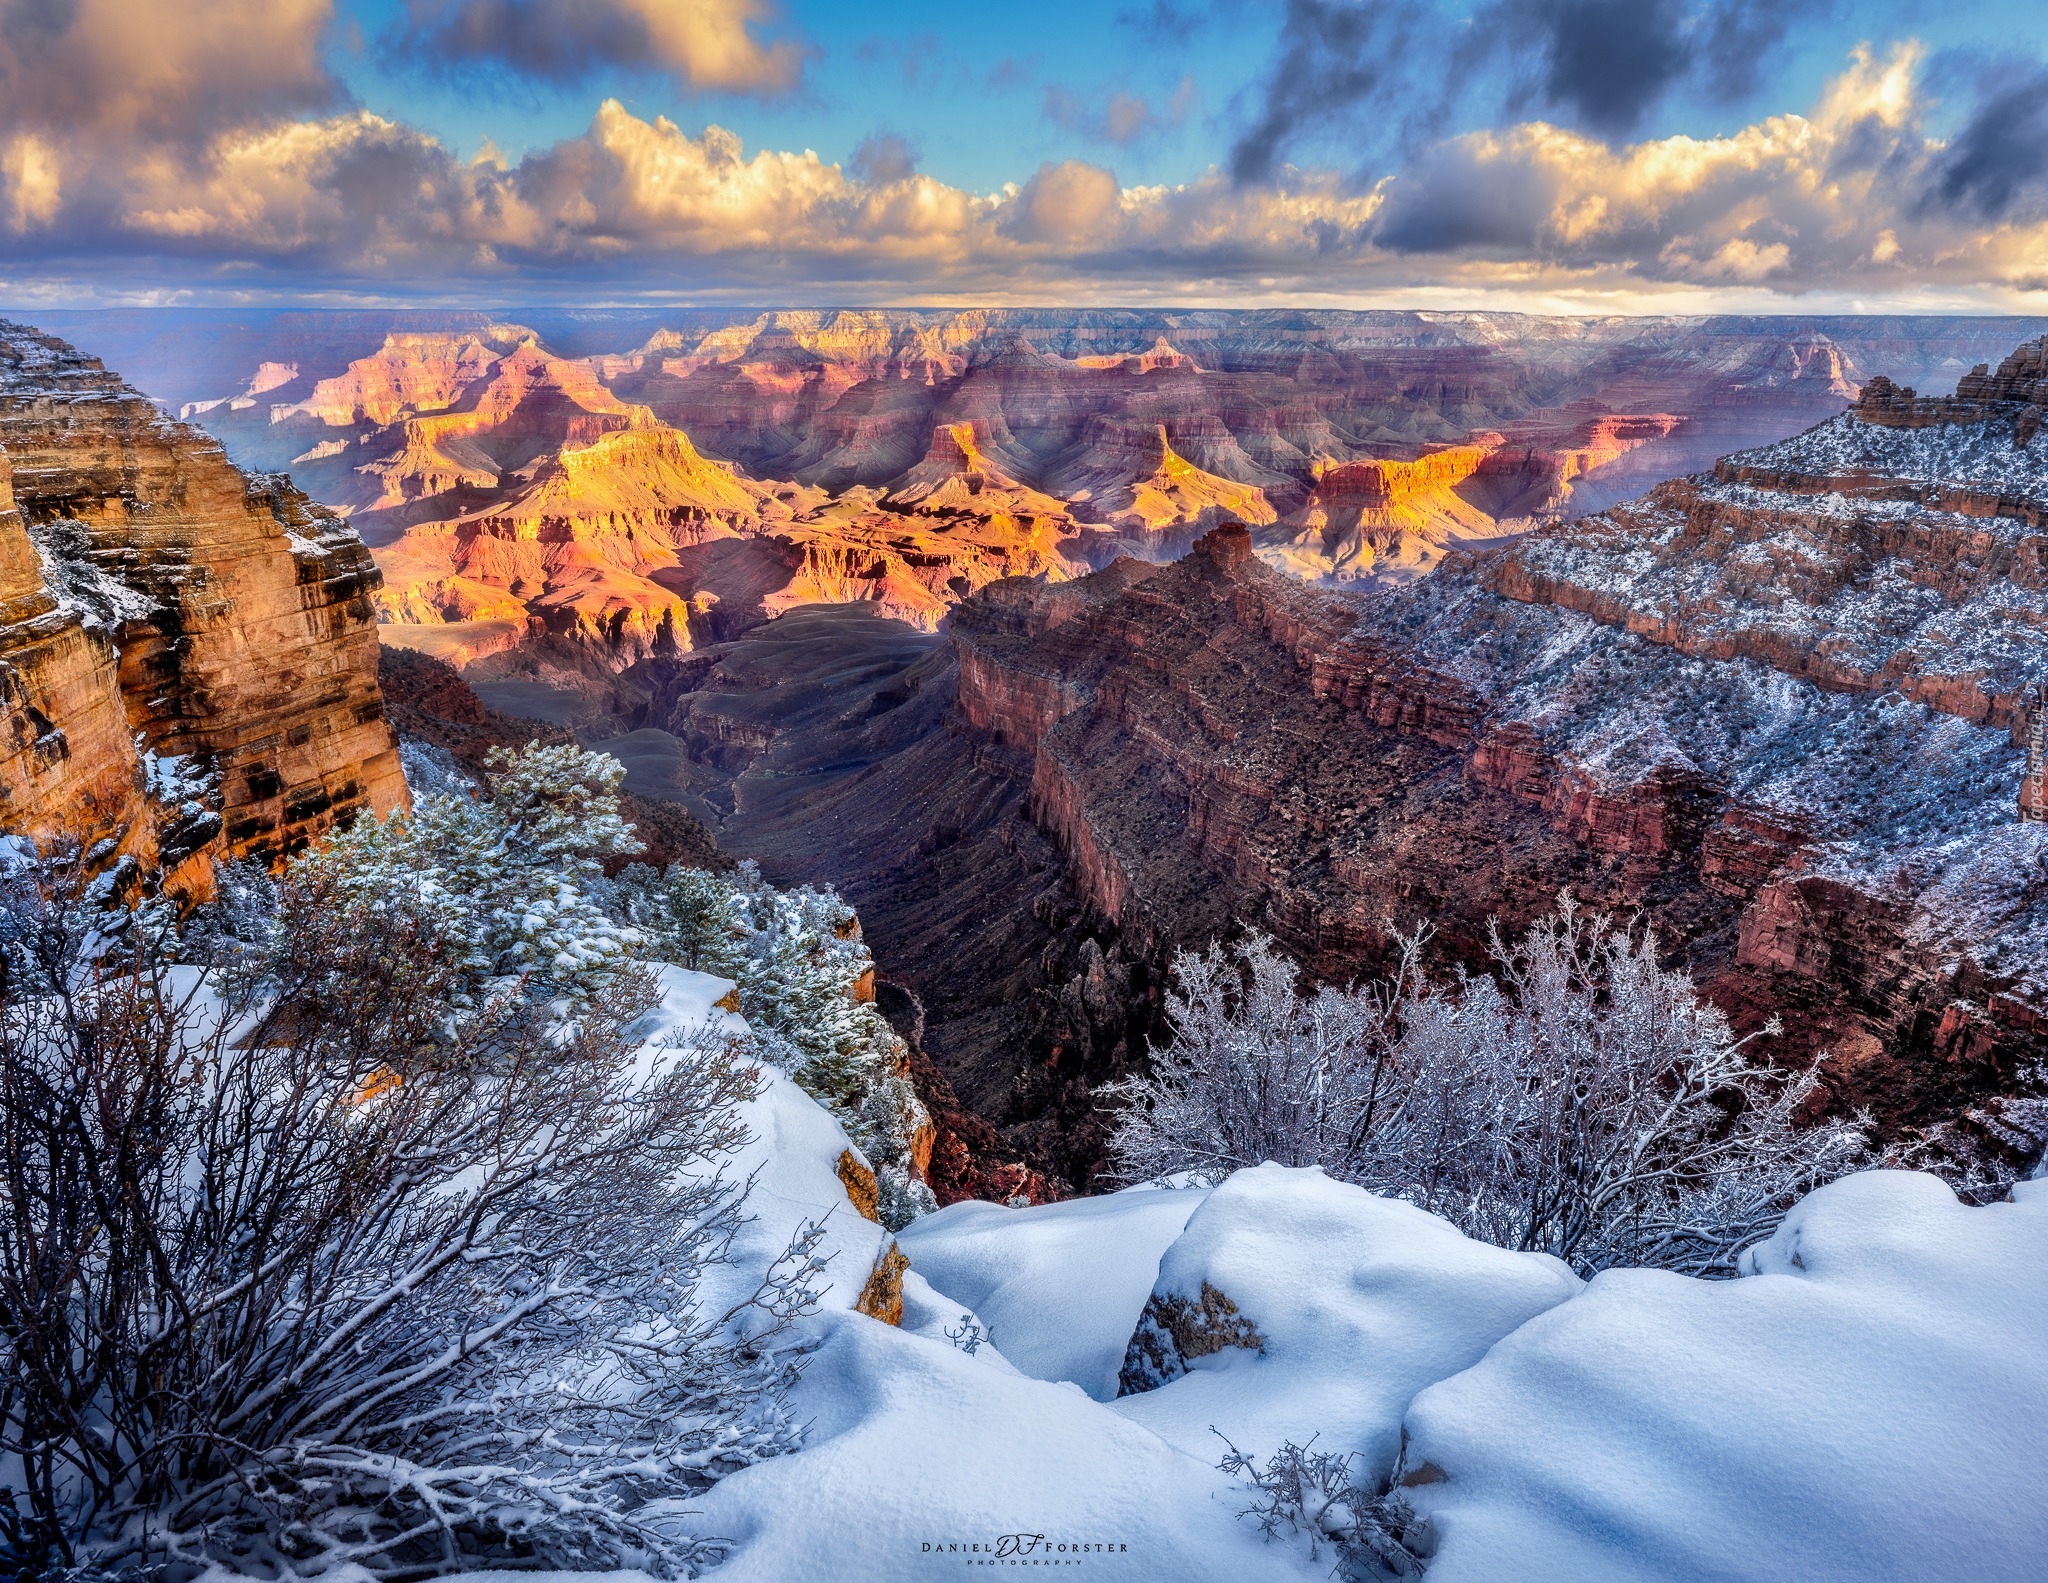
[200, 164]
[34, 188]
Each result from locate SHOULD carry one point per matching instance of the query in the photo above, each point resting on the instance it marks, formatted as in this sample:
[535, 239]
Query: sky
[1579, 156]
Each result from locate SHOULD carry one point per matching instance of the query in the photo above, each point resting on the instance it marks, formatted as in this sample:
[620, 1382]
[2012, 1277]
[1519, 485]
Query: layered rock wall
[1208, 754]
[234, 616]
[1771, 712]
[67, 764]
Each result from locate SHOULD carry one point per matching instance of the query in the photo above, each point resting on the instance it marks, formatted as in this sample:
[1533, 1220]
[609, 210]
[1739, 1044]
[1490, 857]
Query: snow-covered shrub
[508, 874]
[432, 771]
[239, 917]
[1311, 1493]
[319, 1263]
[687, 916]
[798, 959]
[1585, 1102]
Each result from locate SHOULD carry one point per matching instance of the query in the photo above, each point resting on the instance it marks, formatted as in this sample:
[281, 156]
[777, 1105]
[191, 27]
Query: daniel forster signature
[1022, 1549]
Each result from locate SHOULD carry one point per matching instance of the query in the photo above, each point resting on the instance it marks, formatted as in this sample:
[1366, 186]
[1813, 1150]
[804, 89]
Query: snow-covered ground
[1866, 1402]
[1986, 454]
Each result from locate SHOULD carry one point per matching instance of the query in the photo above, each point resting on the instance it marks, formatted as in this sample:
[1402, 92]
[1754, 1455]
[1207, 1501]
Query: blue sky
[983, 92]
[1589, 155]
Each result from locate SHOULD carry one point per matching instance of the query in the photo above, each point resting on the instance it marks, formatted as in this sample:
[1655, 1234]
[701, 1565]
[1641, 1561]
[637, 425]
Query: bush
[508, 875]
[798, 959]
[1583, 1102]
[323, 1260]
[1310, 1493]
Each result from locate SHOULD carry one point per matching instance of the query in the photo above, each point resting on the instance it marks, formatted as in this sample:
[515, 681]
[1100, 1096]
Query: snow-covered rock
[1358, 1301]
[1060, 1286]
[1867, 1403]
[912, 1443]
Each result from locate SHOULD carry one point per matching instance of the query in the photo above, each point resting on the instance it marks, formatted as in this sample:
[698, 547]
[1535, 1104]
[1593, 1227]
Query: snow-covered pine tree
[799, 961]
[508, 873]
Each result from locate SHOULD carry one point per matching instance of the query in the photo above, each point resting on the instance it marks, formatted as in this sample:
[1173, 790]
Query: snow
[1867, 1403]
[792, 1158]
[911, 1440]
[1864, 1402]
[914, 1443]
[1980, 453]
[1361, 1301]
[1060, 1286]
[1895, 797]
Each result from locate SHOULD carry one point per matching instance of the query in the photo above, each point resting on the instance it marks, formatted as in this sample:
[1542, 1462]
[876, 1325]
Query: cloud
[1347, 68]
[1853, 194]
[1069, 203]
[1338, 59]
[95, 71]
[224, 185]
[34, 189]
[2000, 157]
[884, 158]
[702, 44]
[1605, 64]
[1121, 118]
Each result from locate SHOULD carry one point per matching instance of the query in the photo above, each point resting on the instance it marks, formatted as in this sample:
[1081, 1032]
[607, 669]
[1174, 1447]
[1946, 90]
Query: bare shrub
[1583, 1101]
[320, 1263]
[1302, 1491]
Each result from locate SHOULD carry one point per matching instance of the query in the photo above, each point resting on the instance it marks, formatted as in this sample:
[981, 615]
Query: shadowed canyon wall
[1776, 712]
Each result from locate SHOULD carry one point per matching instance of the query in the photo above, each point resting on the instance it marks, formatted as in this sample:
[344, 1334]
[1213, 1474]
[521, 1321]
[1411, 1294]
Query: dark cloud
[1394, 70]
[104, 72]
[1999, 159]
[884, 157]
[1605, 64]
[1338, 60]
[712, 44]
[1449, 204]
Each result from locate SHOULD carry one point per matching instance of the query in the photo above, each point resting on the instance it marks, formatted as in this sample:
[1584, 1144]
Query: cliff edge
[188, 653]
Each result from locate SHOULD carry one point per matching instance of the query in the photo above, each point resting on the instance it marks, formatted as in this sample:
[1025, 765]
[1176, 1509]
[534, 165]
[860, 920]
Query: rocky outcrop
[1012, 442]
[2017, 392]
[1783, 723]
[232, 616]
[1174, 1330]
[881, 1296]
[67, 765]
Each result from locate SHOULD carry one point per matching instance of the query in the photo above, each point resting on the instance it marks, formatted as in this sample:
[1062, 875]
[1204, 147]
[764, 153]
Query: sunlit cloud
[162, 147]
[701, 44]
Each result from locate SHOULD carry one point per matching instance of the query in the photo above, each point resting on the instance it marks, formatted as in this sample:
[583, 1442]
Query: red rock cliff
[224, 616]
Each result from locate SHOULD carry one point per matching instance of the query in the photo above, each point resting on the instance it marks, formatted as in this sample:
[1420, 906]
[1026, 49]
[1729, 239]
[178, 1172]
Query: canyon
[558, 499]
[190, 651]
[1061, 641]
[1776, 712]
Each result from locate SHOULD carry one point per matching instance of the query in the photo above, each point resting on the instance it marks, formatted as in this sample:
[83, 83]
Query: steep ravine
[1781, 731]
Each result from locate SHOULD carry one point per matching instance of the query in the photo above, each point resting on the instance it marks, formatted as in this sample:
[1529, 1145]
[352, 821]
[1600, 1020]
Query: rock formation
[191, 651]
[1776, 712]
[1362, 445]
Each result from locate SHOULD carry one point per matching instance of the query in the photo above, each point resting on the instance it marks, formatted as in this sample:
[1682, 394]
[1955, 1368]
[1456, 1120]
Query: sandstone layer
[733, 466]
[192, 650]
